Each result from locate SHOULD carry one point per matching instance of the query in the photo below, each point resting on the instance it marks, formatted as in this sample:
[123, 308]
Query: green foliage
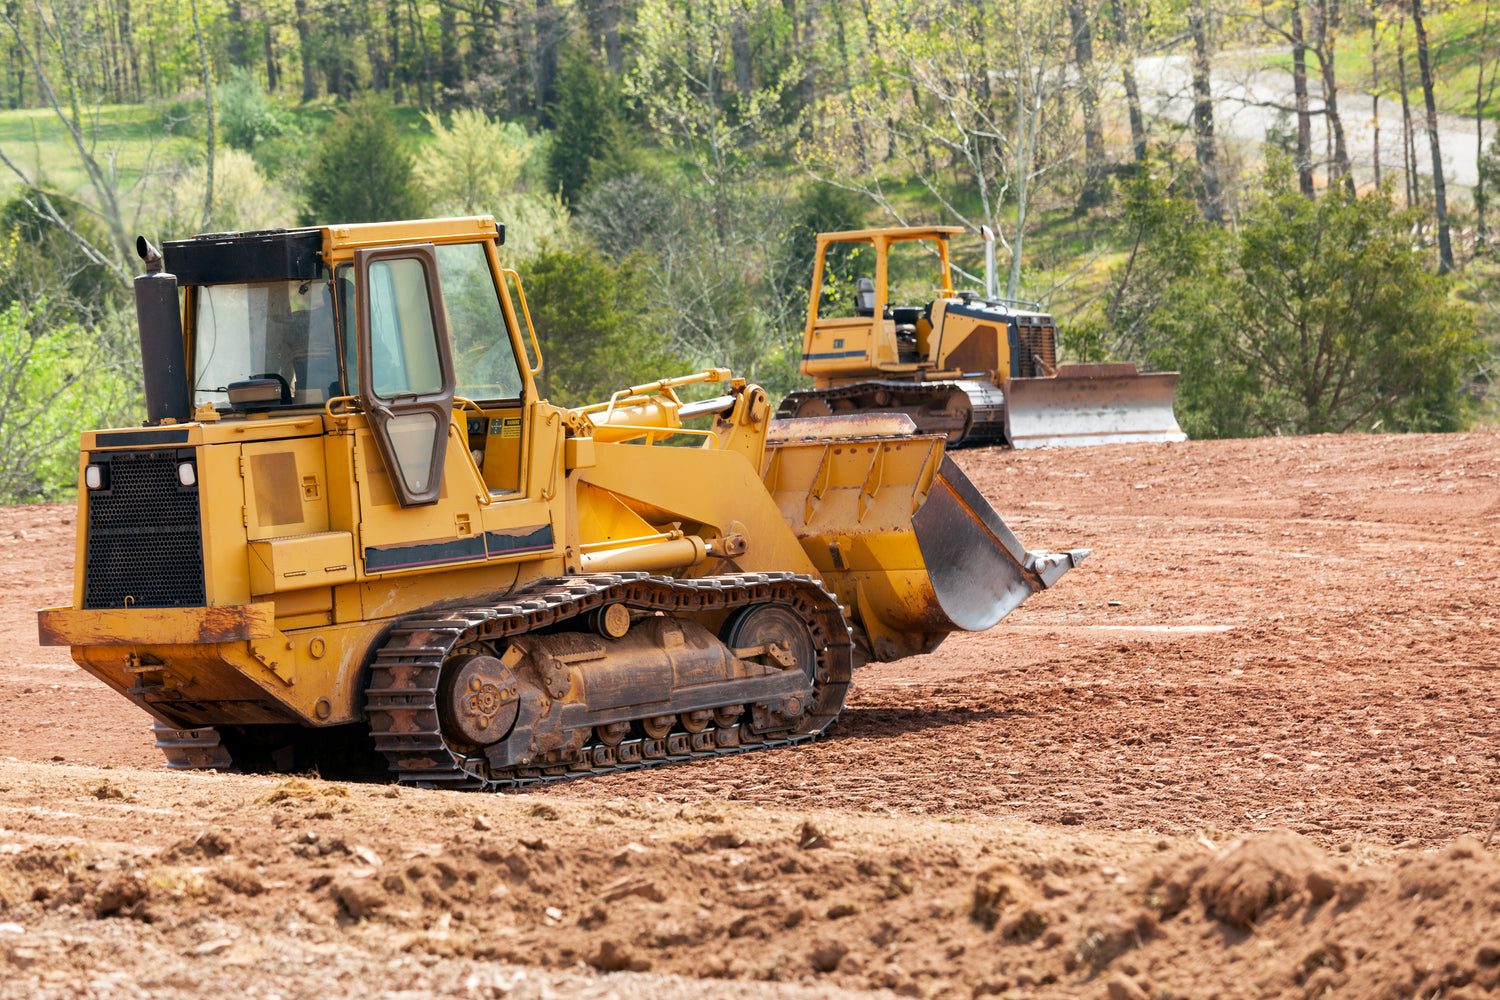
[708, 108]
[471, 162]
[45, 265]
[243, 198]
[361, 170]
[594, 324]
[1163, 240]
[592, 141]
[820, 208]
[246, 116]
[54, 382]
[1322, 318]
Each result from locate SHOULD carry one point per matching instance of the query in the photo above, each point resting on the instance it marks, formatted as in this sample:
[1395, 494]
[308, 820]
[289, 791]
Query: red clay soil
[1291, 635]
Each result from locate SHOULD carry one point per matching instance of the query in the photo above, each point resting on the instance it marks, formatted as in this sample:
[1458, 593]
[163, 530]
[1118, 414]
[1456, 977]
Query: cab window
[484, 359]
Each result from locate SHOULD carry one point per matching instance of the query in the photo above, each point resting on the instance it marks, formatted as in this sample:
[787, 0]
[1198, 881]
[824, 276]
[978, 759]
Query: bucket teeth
[1050, 566]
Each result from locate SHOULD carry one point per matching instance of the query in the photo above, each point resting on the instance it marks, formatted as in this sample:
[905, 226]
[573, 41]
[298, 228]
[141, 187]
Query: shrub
[472, 162]
[361, 170]
[593, 323]
[245, 113]
[592, 141]
[1322, 317]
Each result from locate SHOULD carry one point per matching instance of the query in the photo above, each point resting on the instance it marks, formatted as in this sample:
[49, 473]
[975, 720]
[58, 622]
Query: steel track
[401, 700]
[401, 697]
[912, 396]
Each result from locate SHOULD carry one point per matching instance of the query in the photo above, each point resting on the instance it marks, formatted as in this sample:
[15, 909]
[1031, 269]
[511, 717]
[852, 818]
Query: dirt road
[1277, 634]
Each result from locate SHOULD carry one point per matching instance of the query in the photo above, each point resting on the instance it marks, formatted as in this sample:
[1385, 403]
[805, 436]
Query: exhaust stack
[158, 318]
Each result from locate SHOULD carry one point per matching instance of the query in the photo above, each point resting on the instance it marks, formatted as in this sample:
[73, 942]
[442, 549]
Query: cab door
[459, 487]
[405, 369]
[419, 497]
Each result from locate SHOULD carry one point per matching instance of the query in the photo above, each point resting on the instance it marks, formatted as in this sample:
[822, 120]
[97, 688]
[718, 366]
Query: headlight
[93, 477]
[187, 474]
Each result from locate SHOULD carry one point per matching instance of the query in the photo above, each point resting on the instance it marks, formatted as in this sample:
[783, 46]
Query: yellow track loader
[351, 533]
[980, 370]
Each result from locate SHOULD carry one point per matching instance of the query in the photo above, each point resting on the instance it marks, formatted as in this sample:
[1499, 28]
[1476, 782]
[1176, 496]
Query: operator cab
[402, 333]
[271, 327]
[873, 301]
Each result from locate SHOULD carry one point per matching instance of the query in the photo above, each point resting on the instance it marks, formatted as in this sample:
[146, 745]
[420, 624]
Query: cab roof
[892, 234]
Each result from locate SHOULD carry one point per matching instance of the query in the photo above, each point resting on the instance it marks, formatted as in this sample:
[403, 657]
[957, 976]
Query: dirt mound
[726, 892]
[1303, 924]
[1241, 883]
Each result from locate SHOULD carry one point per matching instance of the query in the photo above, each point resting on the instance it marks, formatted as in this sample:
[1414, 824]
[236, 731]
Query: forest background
[661, 167]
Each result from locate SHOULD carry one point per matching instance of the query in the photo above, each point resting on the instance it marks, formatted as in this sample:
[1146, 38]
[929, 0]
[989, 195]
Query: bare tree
[208, 103]
[1375, 83]
[1299, 98]
[985, 121]
[1408, 135]
[1482, 96]
[1439, 189]
[1088, 97]
[67, 108]
[1125, 41]
[1203, 114]
[1327, 38]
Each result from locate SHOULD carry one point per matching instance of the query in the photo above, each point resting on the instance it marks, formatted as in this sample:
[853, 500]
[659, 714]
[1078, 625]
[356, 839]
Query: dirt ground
[1246, 750]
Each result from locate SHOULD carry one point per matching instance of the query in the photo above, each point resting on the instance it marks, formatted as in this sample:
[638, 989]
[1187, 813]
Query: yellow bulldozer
[351, 533]
[978, 369]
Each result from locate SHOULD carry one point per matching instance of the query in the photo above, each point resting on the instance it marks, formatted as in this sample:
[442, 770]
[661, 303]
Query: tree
[1482, 96]
[1439, 188]
[43, 268]
[1204, 142]
[1165, 241]
[1327, 22]
[703, 104]
[980, 126]
[1299, 92]
[55, 378]
[472, 162]
[1126, 49]
[594, 324]
[1081, 20]
[1325, 319]
[592, 141]
[361, 171]
[247, 115]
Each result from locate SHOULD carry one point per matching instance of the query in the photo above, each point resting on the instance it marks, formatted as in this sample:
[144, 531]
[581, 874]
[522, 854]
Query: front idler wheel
[478, 700]
[773, 635]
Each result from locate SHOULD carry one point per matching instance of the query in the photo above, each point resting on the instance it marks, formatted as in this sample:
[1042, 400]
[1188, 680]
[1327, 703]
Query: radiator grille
[1039, 339]
[145, 545]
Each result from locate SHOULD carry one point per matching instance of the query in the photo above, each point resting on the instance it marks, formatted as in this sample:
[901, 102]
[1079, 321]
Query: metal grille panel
[145, 546]
[1040, 356]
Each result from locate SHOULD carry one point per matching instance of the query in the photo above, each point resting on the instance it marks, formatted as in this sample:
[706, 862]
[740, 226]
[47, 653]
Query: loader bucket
[902, 537]
[1089, 405]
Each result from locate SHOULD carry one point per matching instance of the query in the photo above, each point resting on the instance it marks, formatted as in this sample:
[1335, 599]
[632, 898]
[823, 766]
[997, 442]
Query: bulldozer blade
[1089, 405]
[979, 572]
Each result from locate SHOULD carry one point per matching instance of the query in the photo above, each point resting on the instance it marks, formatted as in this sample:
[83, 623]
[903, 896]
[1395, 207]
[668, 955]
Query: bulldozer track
[402, 692]
[858, 390]
[911, 398]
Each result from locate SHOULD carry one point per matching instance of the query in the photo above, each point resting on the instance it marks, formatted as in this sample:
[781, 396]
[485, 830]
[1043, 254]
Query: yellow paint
[75, 627]
[300, 561]
[293, 503]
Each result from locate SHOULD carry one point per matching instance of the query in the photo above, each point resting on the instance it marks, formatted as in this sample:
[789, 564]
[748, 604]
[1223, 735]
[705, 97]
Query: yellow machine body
[975, 369]
[491, 588]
